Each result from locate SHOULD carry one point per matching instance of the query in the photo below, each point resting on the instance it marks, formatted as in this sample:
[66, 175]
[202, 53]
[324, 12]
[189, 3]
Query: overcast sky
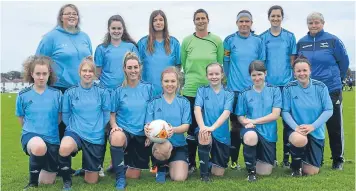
[24, 23]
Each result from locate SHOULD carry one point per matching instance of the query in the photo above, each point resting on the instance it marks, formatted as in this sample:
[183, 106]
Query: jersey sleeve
[90, 46]
[60, 101]
[342, 59]
[286, 107]
[135, 50]
[199, 101]
[177, 53]
[99, 56]
[326, 100]
[149, 112]
[114, 103]
[229, 101]
[277, 98]
[220, 52]
[183, 54]
[141, 49]
[105, 100]
[66, 108]
[293, 46]
[20, 110]
[241, 106]
[262, 51]
[186, 118]
[226, 61]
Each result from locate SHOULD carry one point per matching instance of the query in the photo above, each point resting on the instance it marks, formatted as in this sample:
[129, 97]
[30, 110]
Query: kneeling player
[38, 110]
[174, 109]
[213, 105]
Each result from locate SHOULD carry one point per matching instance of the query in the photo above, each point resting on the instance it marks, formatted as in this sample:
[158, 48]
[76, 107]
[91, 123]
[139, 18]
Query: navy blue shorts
[265, 151]
[92, 154]
[136, 154]
[219, 153]
[51, 157]
[179, 154]
[313, 151]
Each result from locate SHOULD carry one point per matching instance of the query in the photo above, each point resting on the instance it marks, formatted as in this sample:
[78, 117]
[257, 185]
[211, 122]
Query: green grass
[14, 164]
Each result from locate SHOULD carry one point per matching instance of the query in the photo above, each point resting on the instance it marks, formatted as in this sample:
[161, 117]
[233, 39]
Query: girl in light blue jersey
[258, 108]
[38, 108]
[158, 50]
[86, 111]
[281, 49]
[109, 58]
[175, 110]
[109, 55]
[306, 107]
[241, 48]
[213, 105]
[128, 111]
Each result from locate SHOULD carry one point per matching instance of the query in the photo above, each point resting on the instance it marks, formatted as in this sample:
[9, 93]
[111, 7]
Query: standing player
[38, 108]
[86, 111]
[128, 111]
[281, 49]
[109, 57]
[329, 62]
[306, 108]
[175, 110]
[197, 51]
[241, 48]
[158, 50]
[258, 108]
[213, 105]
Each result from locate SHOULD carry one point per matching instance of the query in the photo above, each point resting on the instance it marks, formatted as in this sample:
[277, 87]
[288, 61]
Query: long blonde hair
[130, 56]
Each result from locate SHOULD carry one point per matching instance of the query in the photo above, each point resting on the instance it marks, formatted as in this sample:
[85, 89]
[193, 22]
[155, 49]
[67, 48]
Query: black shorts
[194, 124]
[136, 154]
[314, 150]
[265, 151]
[179, 154]
[93, 154]
[51, 157]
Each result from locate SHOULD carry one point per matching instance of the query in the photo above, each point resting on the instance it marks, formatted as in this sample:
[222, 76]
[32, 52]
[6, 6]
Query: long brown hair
[151, 34]
[125, 35]
[30, 64]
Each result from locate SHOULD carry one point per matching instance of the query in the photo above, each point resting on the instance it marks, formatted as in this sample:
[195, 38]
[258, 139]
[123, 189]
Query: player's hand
[147, 142]
[299, 130]
[115, 128]
[307, 128]
[250, 125]
[170, 130]
[147, 130]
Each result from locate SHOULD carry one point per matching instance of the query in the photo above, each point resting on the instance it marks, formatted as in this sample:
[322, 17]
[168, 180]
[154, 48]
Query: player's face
[158, 23]
[86, 74]
[69, 18]
[169, 83]
[116, 30]
[244, 25]
[315, 26]
[258, 77]
[132, 70]
[214, 75]
[302, 72]
[40, 75]
[276, 18]
[201, 22]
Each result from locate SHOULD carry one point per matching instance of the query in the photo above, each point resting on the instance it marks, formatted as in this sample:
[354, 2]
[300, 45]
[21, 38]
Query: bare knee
[133, 173]
[67, 146]
[217, 171]
[298, 140]
[47, 177]
[118, 139]
[263, 168]
[179, 177]
[310, 170]
[251, 138]
[91, 177]
[37, 146]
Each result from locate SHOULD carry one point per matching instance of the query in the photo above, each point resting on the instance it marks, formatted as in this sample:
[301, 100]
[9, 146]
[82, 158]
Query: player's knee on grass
[310, 169]
[204, 138]
[133, 173]
[118, 139]
[47, 177]
[91, 177]
[263, 168]
[217, 171]
[36, 146]
[178, 170]
[250, 138]
[298, 140]
[162, 151]
[67, 146]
